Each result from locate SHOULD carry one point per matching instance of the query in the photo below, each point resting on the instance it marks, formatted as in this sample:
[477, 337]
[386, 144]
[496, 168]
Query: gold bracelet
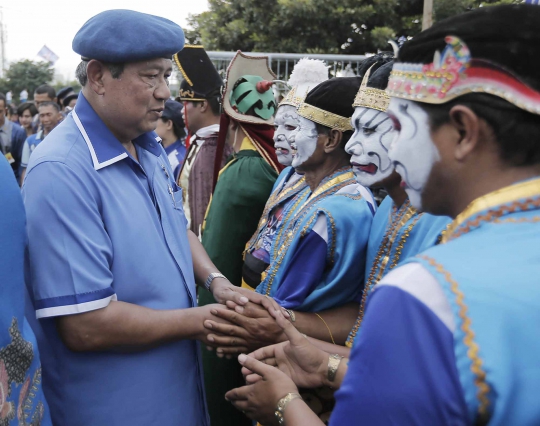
[282, 403]
[331, 337]
[333, 365]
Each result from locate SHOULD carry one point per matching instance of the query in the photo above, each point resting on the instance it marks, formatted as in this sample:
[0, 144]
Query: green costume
[237, 204]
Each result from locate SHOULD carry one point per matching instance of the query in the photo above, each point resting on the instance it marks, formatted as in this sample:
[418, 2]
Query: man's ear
[204, 106]
[334, 141]
[96, 71]
[468, 127]
[169, 125]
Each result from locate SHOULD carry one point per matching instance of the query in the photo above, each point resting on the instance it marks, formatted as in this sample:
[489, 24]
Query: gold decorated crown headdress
[369, 97]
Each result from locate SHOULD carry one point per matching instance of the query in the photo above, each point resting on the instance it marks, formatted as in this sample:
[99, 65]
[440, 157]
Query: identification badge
[10, 158]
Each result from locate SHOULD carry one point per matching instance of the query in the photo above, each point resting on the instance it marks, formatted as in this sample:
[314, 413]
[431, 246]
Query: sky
[30, 24]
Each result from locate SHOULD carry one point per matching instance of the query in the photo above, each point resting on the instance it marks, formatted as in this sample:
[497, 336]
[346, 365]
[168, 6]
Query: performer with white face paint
[452, 336]
[399, 230]
[413, 152]
[306, 75]
[317, 258]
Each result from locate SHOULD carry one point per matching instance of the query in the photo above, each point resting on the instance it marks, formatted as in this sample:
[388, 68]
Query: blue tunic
[318, 257]
[176, 153]
[104, 227]
[396, 234]
[462, 343]
[20, 367]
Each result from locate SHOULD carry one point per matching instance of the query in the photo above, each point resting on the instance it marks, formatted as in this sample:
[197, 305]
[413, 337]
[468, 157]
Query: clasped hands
[241, 322]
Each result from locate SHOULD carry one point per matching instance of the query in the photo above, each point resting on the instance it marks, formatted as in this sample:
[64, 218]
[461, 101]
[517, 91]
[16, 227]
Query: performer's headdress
[201, 81]
[477, 52]
[330, 103]
[248, 95]
[248, 99]
[306, 75]
[372, 92]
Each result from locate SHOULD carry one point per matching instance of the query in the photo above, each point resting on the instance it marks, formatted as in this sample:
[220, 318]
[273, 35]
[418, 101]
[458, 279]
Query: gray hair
[81, 74]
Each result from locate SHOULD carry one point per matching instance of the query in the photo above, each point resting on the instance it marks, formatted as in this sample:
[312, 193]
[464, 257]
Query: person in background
[44, 93]
[12, 114]
[62, 94]
[21, 394]
[23, 96]
[69, 103]
[27, 112]
[12, 137]
[170, 129]
[9, 97]
[49, 117]
[200, 92]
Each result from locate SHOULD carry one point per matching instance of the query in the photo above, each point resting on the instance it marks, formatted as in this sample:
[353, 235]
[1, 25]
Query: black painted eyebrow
[357, 121]
[368, 124]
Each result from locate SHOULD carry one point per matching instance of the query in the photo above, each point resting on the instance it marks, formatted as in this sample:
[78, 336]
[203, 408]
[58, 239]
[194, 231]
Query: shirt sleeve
[69, 252]
[304, 272]
[402, 368]
[25, 157]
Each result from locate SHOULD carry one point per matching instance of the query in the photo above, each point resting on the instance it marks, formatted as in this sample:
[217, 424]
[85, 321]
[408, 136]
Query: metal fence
[283, 63]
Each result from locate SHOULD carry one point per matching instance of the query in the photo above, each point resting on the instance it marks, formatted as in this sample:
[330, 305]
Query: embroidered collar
[509, 194]
[104, 148]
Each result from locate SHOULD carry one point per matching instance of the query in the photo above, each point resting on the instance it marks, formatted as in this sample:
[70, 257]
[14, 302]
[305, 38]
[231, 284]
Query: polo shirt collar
[104, 148]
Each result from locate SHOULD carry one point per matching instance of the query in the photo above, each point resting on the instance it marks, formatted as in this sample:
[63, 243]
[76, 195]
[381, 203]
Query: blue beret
[121, 35]
[173, 111]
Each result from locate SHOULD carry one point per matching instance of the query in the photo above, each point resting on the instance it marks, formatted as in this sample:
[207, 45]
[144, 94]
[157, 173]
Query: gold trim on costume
[182, 70]
[369, 97]
[502, 196]
[325, 118]
[473, 349]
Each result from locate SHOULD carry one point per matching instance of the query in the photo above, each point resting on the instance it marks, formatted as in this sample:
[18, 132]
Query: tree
[27, 75]
[315, 26]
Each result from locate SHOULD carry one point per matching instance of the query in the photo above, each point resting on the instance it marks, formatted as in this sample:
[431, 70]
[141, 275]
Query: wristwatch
[211, 278]
[282, 403]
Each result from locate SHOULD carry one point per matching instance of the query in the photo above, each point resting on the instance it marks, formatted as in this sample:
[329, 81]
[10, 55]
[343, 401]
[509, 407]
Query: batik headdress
[306, 75]
[481, 53]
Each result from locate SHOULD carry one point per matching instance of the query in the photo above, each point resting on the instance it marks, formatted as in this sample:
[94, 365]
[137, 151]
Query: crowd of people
[220, 259]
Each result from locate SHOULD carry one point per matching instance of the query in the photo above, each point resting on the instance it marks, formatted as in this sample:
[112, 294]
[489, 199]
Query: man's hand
[304, 363]
[255, 326]
[209, 337]
[258, 400]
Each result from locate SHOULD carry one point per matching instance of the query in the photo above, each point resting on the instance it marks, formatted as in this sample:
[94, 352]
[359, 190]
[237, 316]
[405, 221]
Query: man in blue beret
[111, 265]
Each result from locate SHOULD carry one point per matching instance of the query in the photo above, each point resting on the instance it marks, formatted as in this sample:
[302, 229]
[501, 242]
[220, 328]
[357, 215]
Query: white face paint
[305, 141]
[285, 124]
[369, 145]
[413, 151]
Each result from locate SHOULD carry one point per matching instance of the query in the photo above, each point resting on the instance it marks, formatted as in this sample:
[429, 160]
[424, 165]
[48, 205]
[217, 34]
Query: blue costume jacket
[318, 255]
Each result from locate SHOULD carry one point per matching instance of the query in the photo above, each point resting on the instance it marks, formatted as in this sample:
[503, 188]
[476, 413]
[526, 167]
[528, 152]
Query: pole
[427, 20]
[2, 44]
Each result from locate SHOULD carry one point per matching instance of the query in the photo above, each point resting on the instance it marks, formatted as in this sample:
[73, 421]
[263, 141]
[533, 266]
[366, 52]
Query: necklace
[397, 220]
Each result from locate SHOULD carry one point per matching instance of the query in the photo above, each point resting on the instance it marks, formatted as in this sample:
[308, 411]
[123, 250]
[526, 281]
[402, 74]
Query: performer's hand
[304, 363]
[256, 326]
[259, 398]
[210, 338]
[223, 291]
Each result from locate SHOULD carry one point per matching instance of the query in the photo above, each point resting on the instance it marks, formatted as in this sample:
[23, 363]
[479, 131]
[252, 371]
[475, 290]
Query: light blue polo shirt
[102, 227]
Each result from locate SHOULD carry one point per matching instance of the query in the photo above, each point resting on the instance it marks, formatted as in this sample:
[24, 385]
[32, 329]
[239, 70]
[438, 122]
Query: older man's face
[136, 100]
